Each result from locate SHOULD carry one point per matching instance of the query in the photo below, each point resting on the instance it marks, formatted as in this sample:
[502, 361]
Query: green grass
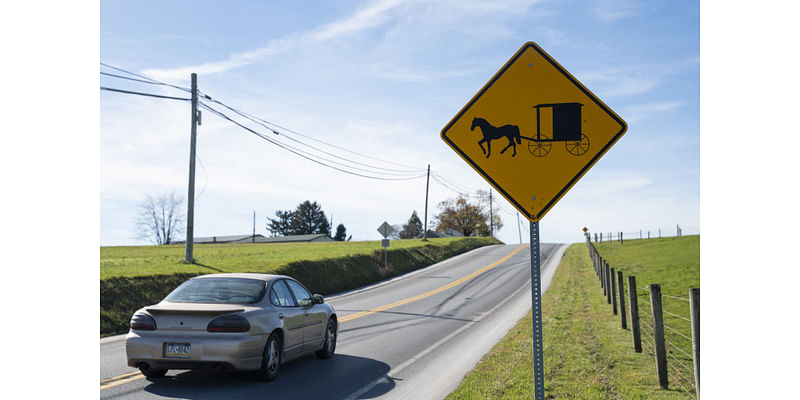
[586, 353]
[133, 277]
[131, 261]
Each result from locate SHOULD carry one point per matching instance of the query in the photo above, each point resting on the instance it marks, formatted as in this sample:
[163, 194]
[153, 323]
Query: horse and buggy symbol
[566, 125]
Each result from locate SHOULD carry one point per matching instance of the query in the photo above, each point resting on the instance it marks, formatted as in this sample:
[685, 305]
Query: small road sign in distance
[385, 229]
[533, 131]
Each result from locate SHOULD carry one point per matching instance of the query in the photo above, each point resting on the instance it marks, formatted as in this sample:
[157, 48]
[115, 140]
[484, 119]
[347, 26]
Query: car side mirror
[317, 299]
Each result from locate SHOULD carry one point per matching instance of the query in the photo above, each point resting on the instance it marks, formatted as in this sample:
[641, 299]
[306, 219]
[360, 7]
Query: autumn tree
[468, 218]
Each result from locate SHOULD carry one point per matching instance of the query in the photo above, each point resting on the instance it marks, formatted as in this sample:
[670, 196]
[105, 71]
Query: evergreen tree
[341, 233]
[412, 228]
[308, 218]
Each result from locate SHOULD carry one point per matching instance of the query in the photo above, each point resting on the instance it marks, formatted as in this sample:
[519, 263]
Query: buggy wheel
[578, 147]
[541, 147]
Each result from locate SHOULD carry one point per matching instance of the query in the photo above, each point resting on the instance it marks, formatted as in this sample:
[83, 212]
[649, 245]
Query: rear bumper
[228, 350]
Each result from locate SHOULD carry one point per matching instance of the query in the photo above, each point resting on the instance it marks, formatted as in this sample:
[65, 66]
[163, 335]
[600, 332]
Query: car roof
[245, 275]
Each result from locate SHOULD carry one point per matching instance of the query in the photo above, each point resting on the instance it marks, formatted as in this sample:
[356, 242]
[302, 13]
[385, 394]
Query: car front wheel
[329, 346]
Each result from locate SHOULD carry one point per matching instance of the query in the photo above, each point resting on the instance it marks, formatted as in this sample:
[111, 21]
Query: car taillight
[229, 323]
[143, 322]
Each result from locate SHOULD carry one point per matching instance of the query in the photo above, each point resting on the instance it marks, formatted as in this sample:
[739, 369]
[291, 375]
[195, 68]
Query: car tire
[152, 372]
[271, 359]
[329, 344]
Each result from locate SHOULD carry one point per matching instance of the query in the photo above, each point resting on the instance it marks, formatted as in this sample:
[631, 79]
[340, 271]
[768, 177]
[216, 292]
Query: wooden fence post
[634, 300]
[622, 300]
[658, 335]
[603, 276]
[608, 283]
[694, 304]
[613, 292]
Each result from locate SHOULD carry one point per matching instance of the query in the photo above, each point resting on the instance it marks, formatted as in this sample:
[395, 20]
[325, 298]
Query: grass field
[133, 277]
[586, 353]
[131, 261]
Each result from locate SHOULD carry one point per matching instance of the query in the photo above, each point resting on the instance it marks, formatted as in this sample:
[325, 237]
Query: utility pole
[190, 198]
[519, 229]
[427, 185]
[254, 226]
[491, 216]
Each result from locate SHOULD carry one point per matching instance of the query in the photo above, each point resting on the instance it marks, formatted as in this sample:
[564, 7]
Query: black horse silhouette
[511, 132]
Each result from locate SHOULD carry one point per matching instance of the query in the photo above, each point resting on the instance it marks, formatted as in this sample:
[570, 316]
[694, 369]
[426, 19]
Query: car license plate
[177, 350]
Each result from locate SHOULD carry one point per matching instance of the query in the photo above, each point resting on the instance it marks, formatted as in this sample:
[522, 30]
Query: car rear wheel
[329, 346]
[271, 361]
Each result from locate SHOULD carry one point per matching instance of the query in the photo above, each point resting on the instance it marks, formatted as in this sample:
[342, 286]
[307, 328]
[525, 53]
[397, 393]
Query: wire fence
[669, 330]
[647, 233]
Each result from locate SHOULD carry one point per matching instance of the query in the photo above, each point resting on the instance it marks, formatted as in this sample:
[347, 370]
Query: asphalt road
[415, 336]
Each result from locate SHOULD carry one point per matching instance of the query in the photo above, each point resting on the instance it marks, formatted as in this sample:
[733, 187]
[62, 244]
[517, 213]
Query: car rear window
[218, 290]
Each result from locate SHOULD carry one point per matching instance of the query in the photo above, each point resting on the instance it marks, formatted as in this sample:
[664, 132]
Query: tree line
[161, 220]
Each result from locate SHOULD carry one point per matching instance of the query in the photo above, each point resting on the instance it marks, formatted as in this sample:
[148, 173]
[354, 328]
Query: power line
[143, 94]
[148, 79]
[329, 161]
[275, 128]
[300, 152]
[263, 123]
[127, 78]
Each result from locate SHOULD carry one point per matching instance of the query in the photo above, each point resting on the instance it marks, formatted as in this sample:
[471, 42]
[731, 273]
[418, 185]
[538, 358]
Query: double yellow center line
[119, 380]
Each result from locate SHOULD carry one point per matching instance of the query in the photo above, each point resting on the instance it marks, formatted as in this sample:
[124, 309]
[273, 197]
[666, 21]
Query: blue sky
[382, 78]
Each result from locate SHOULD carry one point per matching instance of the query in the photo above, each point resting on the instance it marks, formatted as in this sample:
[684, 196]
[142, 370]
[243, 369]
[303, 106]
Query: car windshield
[218, 290]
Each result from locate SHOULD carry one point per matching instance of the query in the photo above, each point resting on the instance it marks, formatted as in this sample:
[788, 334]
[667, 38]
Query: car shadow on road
[304, 378]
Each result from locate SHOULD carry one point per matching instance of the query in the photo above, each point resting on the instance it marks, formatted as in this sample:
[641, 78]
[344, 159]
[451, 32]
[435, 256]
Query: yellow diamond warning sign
[533, 131]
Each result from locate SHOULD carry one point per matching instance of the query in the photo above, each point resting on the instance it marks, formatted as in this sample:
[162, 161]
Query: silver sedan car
[246, 322]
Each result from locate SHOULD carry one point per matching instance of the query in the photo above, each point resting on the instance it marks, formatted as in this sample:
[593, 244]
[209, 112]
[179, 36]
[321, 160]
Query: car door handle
[280, 316]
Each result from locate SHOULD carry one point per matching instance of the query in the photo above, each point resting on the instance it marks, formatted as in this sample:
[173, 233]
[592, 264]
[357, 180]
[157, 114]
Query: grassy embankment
[586, 353]
[135, 276]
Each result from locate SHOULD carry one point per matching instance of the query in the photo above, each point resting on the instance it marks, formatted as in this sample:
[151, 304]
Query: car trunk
[190, 317]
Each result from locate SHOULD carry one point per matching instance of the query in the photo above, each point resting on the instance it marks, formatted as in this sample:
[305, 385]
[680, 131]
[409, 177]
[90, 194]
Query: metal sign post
[385, 229]
[536, 309]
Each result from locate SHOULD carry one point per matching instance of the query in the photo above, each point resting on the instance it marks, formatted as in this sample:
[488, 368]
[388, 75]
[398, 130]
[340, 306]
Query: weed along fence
[668, 330]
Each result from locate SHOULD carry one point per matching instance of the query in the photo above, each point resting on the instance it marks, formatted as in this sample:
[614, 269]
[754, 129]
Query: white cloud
[613, 11]
[640, 112]
[621, 82]
[364, 19]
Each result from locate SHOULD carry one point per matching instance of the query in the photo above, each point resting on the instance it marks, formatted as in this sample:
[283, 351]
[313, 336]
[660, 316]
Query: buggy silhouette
[566, 128]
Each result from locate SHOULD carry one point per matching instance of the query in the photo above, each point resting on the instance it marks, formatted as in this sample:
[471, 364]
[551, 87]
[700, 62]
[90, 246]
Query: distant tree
[341, 233]
[282, 224]
[160, 219]
[307, 218]
[412, 228]
[395, 235]
[483, 229]
[468, 218]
